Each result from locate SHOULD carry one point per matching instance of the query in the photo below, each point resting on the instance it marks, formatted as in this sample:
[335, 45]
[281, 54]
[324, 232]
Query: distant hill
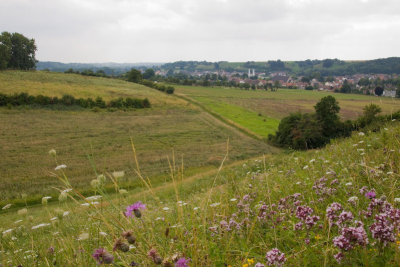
[109, 68]
[326, 67]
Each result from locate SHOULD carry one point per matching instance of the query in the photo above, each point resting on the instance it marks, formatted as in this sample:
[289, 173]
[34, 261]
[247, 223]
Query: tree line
[136, 76]
[313, 130]
[17, 52]
[24, 99]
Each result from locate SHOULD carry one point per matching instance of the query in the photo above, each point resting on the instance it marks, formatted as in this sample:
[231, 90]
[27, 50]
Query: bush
[68, 100]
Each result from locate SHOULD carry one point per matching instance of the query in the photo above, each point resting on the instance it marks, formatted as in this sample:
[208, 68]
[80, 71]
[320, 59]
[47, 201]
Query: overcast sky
[213, 30]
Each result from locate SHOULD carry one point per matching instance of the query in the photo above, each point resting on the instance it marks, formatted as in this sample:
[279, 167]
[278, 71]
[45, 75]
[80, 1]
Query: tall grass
[276, 210]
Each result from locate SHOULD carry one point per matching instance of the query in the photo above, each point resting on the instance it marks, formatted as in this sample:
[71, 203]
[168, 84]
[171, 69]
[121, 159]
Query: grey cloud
[168, 30]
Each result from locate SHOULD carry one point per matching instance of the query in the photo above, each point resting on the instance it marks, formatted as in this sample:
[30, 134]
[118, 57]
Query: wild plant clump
[335, 206]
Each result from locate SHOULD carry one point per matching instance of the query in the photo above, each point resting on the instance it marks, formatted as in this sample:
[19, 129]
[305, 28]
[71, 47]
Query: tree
[378, 91]
[148, 74]
[5, 49]
[346, 87]
[17, 51]
[134, 75]
[327, 110]
[398, 93]
[327, 63]
[370, 112]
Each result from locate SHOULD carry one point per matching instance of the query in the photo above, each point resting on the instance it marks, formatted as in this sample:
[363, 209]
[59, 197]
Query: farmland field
[97, 142]
[260, 111]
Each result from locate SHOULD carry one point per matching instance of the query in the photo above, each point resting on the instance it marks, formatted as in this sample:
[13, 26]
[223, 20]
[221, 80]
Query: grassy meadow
[98, 142]
[260, 111]
[315, 208]
[58, 84]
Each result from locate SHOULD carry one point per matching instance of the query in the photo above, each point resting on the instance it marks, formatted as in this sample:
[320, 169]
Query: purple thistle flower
[182, 262]
[135, 208]
[102, 256]
[371, 194]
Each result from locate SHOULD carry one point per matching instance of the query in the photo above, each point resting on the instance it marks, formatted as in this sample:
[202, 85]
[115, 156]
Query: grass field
[58, 84]
[171, 126]
[260, 111]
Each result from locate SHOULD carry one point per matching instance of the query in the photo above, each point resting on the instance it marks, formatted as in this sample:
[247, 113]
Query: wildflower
[182, 262]
[102, 256]
[303, 211]
[7, 206]
[397, 200]
[258, 264]
[215, 204]
[353, 200]
[66, 213]
[165, 209]
[103, 234]
[371, 194]
[123, 191]
[120, 245]
[153, 255]
[275, 257]
[349, 184]
[250, 261]
[345, 216]
[245, 265]
[23, 211]
[313, 160]
[40, 226]
[361, 134]
[44, 200]
[118, 174]
[382, 229]
[8, 231]
[63, 196]
[128, 235]
[305, 167]
[59, 167]
[338, 257]
[94, 183]
[332, 212]
[83, 236]
[195, 208]
[317, 237]
[96, 197]
[52, 152]
[136, 207]
[101, 178]
[233, 199]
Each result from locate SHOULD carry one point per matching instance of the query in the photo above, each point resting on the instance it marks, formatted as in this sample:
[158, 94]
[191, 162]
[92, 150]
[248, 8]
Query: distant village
[357, 83]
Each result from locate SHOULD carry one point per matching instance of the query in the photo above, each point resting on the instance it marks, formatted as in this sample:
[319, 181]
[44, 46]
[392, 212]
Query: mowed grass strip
[256, 123]
[26, 136]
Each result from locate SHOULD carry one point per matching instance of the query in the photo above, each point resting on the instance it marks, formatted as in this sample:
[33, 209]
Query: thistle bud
[129, 237]
[120, 245]
[108, 258]
[137, 213]
[153, 254]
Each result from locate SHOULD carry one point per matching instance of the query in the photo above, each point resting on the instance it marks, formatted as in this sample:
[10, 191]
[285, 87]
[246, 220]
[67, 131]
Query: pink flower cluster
[304, 214]
[275, 257]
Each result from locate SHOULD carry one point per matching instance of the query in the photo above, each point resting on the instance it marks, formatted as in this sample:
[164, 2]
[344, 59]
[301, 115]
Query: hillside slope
[336, 205]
